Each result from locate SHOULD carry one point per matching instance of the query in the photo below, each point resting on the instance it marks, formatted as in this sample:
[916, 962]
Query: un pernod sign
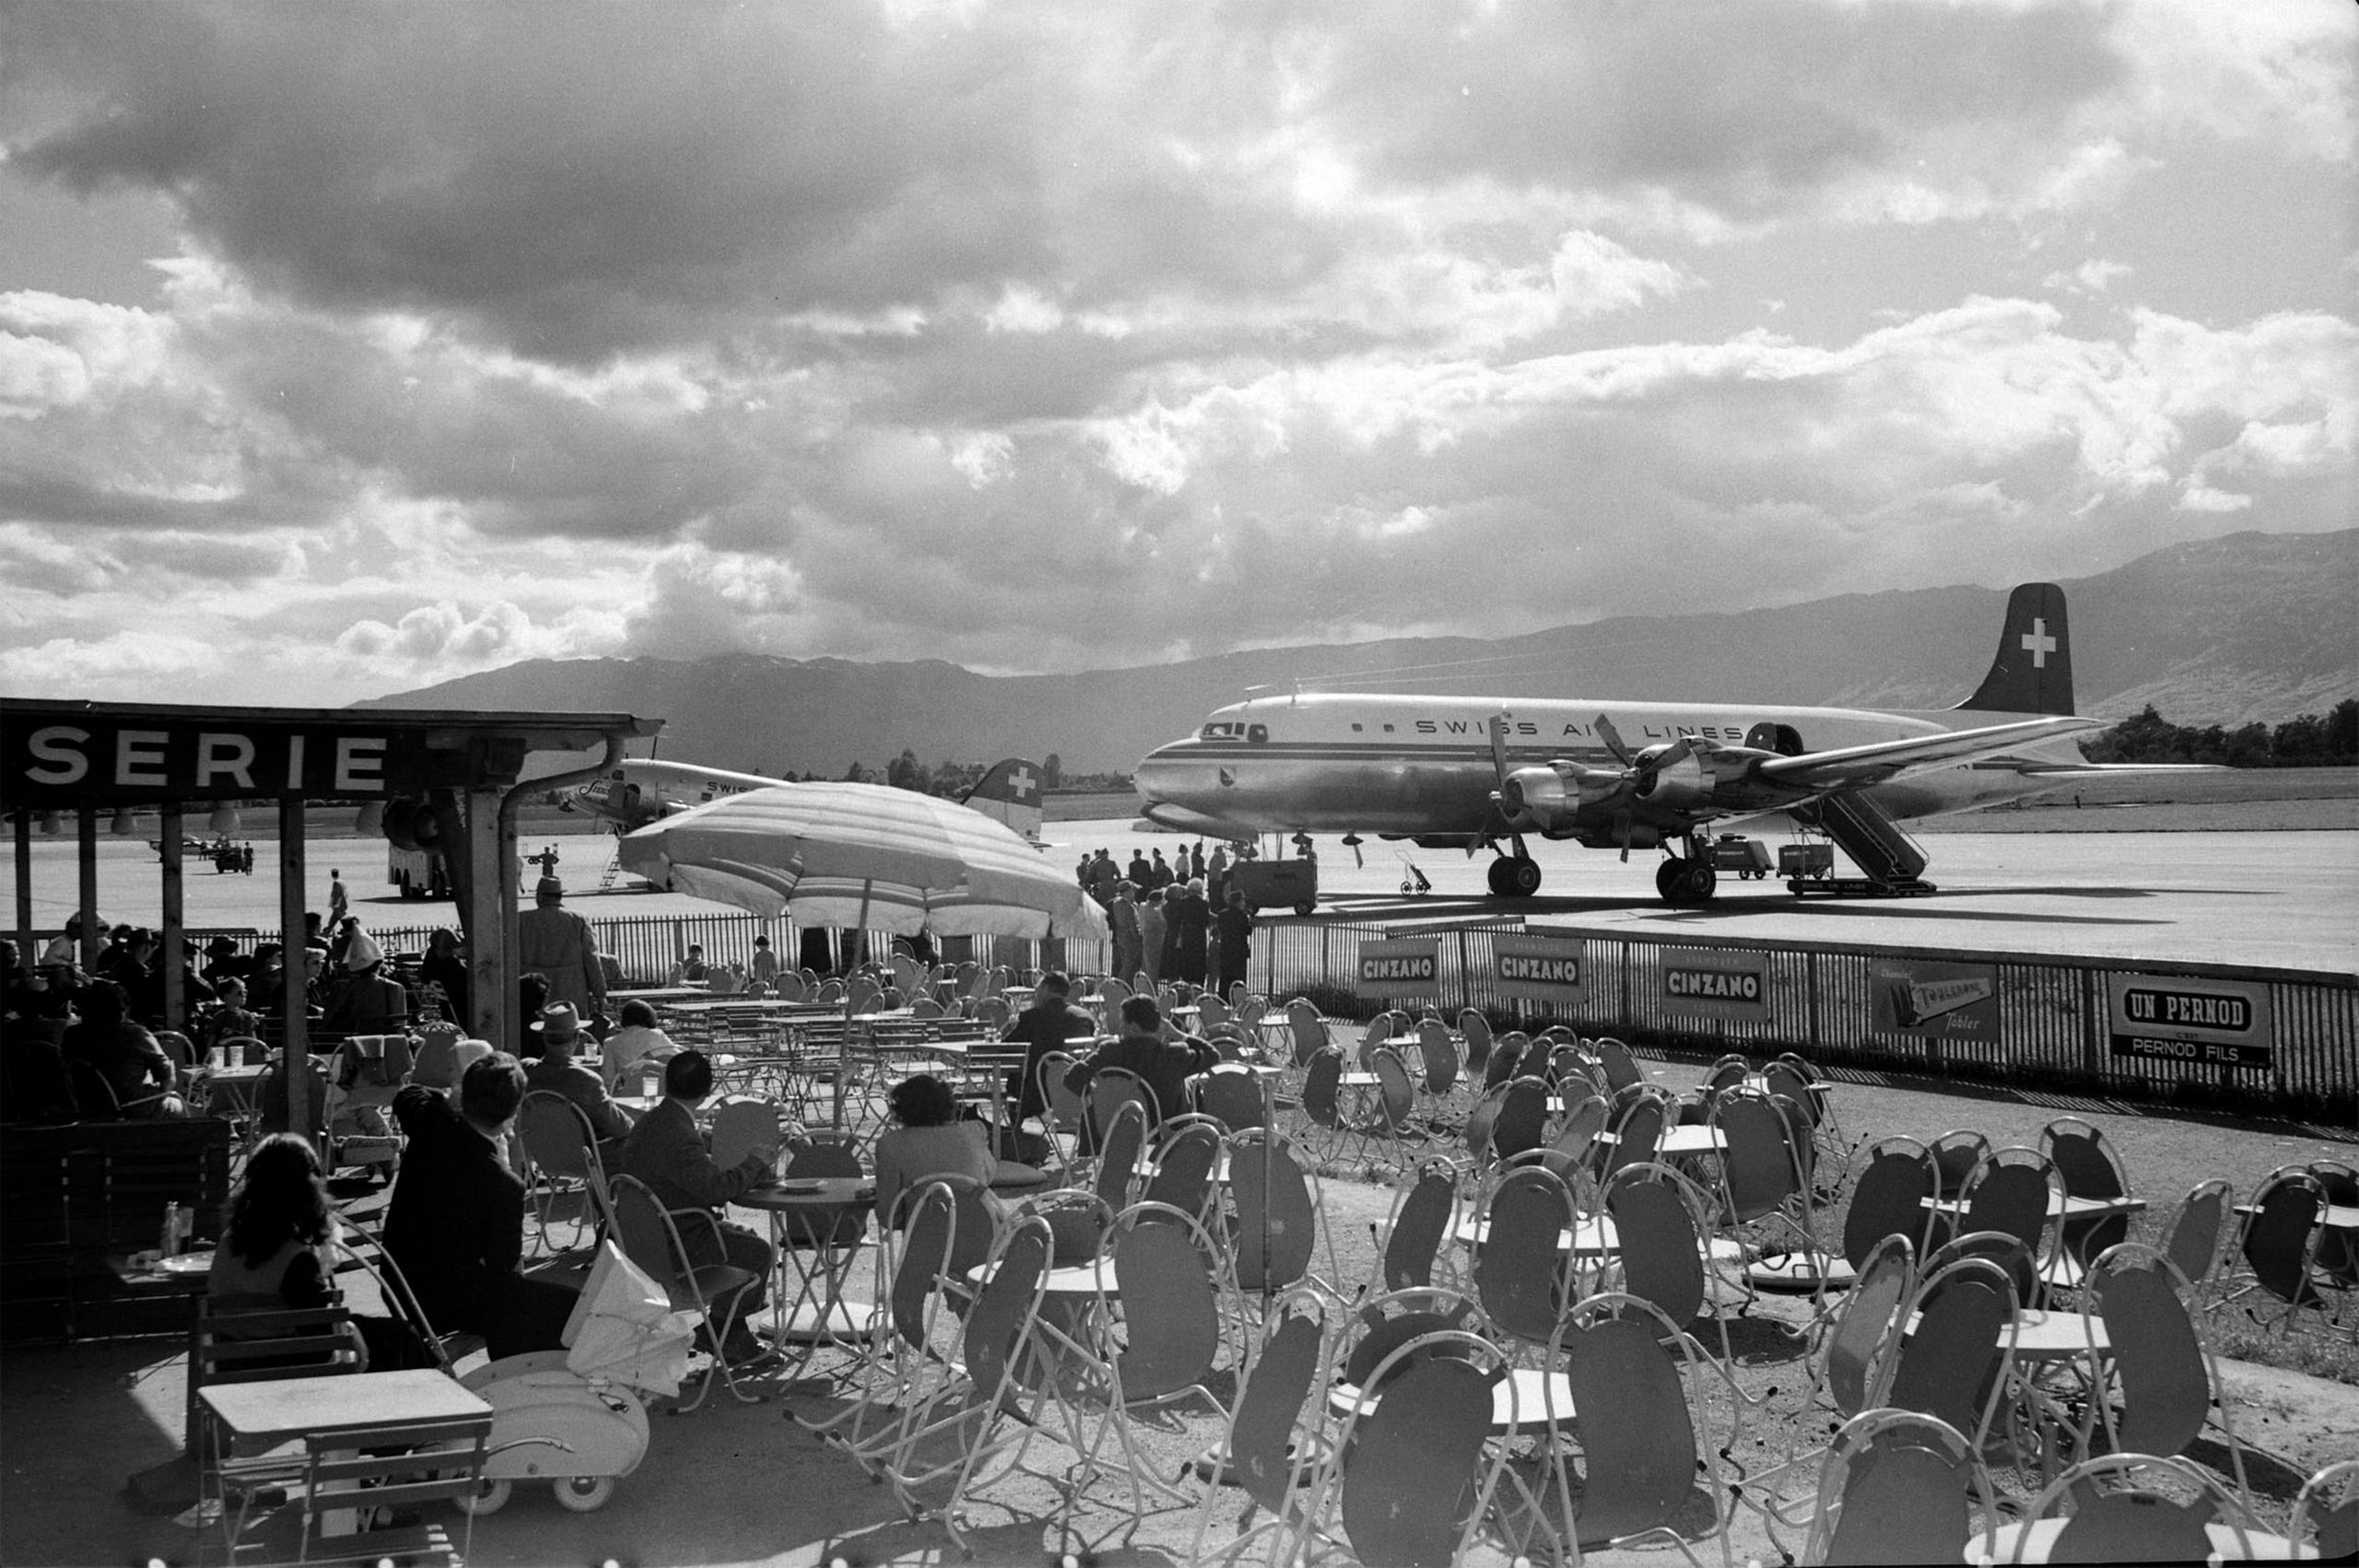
[2196, 1019]
[1400, 967]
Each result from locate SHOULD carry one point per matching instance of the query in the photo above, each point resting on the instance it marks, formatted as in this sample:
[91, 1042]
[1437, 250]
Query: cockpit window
[1258, 732]
[1229, 729]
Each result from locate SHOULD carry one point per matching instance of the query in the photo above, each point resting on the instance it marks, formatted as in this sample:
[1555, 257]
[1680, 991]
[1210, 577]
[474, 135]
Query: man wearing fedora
[557, 1073]
[554, 940]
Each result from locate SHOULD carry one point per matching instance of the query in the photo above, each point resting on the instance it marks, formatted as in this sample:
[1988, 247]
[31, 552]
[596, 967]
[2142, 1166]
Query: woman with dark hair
[635, 1043]
[931, 1140]
[274, 1253]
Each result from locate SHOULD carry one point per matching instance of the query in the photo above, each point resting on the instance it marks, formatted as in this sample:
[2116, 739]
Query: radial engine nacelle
[1683, 779]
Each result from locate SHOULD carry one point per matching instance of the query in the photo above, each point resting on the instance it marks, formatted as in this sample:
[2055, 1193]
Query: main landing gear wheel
[1687, 882]
[583, 1494]
[1514, 876]
[490, 1500]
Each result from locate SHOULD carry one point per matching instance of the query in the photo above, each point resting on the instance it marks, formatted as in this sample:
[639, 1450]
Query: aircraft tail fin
[1010, 793]
[2032, 673]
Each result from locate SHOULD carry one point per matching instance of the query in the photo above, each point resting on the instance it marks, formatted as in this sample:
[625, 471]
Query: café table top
[1592, 1234]
[1070, 1279]
[1520, 1402]
[809, 1192]
[2032, 1540]
[2061, 1206]
[1692, 1138]
[295, 1407]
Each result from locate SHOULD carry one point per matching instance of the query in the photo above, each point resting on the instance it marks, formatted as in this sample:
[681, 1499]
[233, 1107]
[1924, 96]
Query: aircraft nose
[1158, 774]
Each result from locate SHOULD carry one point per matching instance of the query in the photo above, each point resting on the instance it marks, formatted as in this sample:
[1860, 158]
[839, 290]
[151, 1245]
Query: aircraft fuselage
[1423, 767]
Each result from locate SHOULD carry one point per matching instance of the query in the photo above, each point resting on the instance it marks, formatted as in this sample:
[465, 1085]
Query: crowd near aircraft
[643, 789]
[1470, 772]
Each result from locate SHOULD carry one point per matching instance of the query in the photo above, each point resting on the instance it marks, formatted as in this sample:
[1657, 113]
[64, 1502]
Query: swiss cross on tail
[2032, 673]
[1010, 792]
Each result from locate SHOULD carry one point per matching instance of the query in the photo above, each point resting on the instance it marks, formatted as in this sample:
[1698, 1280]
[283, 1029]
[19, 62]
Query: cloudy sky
[348, 348]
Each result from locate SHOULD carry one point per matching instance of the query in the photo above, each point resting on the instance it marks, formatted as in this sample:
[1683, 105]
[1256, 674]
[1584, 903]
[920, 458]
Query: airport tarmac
[2284, 900]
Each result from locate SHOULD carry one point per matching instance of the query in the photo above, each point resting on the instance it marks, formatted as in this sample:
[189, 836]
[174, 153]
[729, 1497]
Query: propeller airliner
[1474, 772]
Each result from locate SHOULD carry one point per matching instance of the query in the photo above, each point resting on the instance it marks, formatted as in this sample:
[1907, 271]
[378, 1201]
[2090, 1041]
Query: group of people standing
[1176, 921]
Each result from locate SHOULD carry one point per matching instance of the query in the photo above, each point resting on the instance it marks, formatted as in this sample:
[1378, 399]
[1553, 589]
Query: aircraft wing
[1850, 766]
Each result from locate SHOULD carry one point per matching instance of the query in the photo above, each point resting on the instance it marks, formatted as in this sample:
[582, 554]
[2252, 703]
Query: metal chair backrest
[1396, 1094]
[742, 1125]
[1009, 1303]
[1309, 1031]
[648, 1235]
[2118, 1524]
[1277, 1219]
[1522, 1121]
[1576, 1139]
[2157, 1358]
[1439, 1053]
[556, 1137]
[1475, 1030]
[1729, 1072]
[1957, 1155]
[1233, 1095]
[1322, 1088]
[2280, 1239]
[1184, 1162]
[1758, 1170]
[1894, 1488]
[2011, 1190]
[1263, 1456]
[1421, 1218]
[1637, 1132]
[1953, 1363]
[1111, 1088]
[1521, 1272]
[926, 1217]
[1661, 1236]
[1170, 1301]
[1414, 1480]
[1378, 1030]
[1506, 1056]
[1858, 1351]
[1621, 1068]
[1065, 1106]
[2089, 1167]
[1637, 1432]
[2328, 1507]
[1889, 1198]
[1119, 1146]
[2193, 1244]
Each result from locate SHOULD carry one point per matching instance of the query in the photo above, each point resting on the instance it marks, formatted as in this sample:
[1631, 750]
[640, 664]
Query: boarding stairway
[1893, 863]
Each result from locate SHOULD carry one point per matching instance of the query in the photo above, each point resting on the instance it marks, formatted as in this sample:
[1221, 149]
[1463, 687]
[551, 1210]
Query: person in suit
[559, 1073]
[1165, 1061]
[456, 1222]
[667, 1153]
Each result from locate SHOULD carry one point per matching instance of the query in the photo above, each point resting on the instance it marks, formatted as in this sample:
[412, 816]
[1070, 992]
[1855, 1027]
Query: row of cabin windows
[1252, 733]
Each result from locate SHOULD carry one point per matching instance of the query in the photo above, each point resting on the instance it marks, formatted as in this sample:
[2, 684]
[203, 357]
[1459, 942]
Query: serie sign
[1715, 982]
[100, 758]
[1540, 968]
[2196, 1020]
[1400, 968]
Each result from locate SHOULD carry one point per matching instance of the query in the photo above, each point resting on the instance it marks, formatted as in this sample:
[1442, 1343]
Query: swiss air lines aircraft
[642, 790]
[1482, 771]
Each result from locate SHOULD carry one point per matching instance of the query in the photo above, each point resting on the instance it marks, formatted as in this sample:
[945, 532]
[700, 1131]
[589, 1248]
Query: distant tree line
[2312, 741]
[953, 779]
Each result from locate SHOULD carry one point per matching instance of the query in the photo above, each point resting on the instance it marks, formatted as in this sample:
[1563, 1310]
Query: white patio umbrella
[867, 856]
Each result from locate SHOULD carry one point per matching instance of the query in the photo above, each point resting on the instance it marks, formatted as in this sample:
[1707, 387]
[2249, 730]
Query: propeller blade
[1498, 728]
[1612, 739]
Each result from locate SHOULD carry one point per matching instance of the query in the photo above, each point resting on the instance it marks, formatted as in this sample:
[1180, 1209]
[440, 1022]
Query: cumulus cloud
[857, 329]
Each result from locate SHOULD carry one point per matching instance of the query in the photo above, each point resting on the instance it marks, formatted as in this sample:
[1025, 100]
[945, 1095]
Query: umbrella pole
[843, 1043]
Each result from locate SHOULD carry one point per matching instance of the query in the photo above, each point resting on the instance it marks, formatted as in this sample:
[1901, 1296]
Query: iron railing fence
[2053, 1015]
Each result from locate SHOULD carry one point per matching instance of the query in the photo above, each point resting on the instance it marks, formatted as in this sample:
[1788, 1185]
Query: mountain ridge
[2225, 630]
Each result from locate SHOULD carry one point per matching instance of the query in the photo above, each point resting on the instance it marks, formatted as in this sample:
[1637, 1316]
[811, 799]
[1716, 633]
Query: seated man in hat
[559, 1073]
[667, 1153]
